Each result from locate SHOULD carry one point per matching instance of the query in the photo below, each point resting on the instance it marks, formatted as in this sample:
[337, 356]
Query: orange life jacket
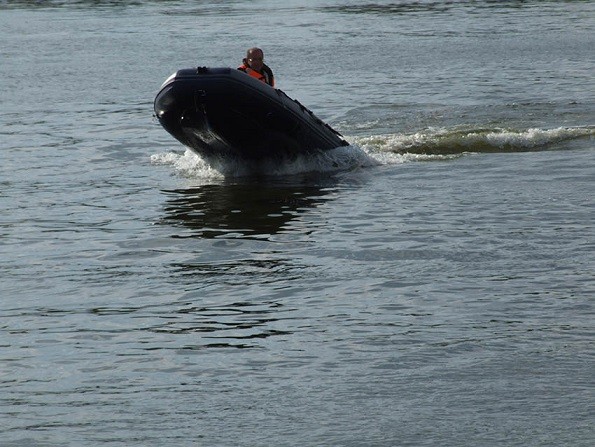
[266, 76]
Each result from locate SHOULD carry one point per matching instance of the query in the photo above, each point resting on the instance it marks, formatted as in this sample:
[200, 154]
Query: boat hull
[225, 112]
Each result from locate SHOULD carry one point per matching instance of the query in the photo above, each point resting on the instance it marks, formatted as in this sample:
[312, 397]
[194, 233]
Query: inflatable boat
[225, 112]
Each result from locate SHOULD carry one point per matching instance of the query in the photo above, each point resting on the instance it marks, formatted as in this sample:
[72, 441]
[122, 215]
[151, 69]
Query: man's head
[255, 58]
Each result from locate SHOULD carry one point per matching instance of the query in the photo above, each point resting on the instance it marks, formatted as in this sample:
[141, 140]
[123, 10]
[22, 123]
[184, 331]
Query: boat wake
[388, 149]
[188, 164]
[455, 142]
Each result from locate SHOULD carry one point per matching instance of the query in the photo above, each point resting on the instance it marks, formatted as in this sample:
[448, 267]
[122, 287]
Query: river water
[430, 284]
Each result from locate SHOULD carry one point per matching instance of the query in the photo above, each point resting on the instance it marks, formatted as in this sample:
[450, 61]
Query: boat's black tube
[221, 111]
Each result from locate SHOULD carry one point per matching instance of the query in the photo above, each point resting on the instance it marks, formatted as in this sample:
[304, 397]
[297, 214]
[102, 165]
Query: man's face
[255, 60]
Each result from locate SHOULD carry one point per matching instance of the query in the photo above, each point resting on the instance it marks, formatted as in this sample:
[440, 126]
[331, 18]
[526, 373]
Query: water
[431, 284]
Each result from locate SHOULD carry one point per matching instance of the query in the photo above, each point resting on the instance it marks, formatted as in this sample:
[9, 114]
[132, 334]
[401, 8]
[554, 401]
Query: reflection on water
[236, 272]
[223, 305]
[230, 325]
[239, 210]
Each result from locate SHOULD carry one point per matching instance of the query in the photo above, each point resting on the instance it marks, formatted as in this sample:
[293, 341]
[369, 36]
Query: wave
[444, 142]
[188, 164]
[387, 149]
[403, 7]
[38, 4]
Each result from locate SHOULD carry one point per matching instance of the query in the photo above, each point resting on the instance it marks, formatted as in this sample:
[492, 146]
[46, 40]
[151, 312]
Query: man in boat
[254, 65]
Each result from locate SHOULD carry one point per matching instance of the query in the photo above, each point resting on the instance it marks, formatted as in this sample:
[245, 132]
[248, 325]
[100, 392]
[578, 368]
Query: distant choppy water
[431, 284]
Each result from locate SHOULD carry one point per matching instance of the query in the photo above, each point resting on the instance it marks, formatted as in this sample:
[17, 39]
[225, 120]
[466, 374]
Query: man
[254, 65]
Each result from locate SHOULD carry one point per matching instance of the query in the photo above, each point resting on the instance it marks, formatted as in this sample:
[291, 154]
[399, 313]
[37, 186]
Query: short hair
[250, 50]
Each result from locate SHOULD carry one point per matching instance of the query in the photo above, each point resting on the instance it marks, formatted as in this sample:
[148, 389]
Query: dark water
[431, 284]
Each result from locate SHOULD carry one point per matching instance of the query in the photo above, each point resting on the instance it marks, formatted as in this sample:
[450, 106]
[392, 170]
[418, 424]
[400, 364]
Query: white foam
[189, 164]
[534, 138]
[439, 142]
[388, 149]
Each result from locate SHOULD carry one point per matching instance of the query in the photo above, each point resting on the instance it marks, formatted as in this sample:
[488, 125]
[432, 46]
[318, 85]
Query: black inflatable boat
[222, 111]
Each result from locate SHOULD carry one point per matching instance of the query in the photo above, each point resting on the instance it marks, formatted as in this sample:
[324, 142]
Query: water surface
[430, 284]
